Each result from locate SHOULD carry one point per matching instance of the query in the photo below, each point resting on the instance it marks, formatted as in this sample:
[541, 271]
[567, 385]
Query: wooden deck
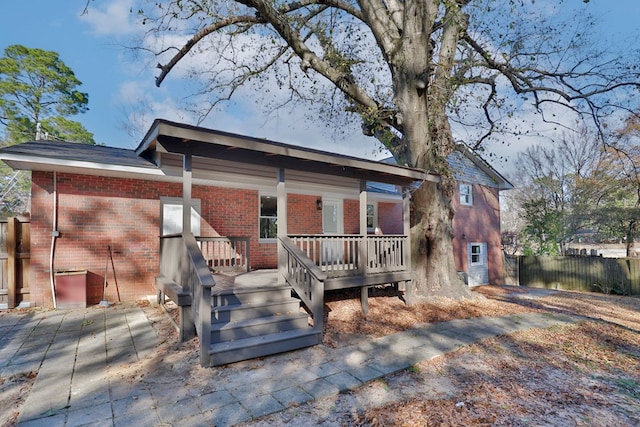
[239, 315]
[252, 279]
[269, 278]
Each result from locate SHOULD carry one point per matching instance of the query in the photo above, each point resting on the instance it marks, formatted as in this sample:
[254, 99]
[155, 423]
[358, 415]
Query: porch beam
[281, 225]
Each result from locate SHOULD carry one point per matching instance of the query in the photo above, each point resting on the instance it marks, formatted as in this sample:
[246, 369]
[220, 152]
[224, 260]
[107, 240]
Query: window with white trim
[268, 217]
[372, 220]
[466, 194]
[476, 254]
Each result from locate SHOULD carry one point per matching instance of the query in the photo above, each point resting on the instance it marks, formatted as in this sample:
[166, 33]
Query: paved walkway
[72, 352]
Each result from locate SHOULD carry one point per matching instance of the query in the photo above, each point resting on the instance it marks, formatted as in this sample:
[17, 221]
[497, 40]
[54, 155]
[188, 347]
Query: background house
[476, 223]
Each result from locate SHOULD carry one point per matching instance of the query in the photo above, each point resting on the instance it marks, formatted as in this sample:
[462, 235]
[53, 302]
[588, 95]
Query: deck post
[281, 193]
[363, 256]
[186, 192]
[362, 248]
[364, 300]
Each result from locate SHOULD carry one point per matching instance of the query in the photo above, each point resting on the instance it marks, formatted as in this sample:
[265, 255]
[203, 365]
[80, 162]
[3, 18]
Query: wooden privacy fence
[15, 242]
[608, 275]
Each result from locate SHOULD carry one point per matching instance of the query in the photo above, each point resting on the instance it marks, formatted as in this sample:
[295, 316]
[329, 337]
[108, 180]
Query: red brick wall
[351, 210]
[94, 212]
[476, 224]
[390, 218]
[235, 212]
[303, 215]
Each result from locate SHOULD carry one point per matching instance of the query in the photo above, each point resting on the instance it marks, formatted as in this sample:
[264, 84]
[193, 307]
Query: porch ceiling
[165, 136]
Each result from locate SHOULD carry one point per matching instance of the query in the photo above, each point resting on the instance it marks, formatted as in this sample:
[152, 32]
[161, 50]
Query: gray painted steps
[249, 348]
[255, 321]
[237, 312]
[258, 326]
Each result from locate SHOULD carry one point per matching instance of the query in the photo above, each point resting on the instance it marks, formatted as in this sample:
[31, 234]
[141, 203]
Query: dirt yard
[585, 374]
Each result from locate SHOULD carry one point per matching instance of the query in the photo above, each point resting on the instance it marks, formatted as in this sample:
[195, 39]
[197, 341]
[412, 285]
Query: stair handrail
[201, 281]
[306, 279]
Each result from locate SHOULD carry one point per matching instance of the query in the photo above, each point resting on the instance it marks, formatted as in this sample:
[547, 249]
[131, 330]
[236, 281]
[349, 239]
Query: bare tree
[409, 70]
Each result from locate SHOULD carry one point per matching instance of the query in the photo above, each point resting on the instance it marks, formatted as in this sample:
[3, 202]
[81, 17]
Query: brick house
[121, 198]
[126, 199]
[249, 204]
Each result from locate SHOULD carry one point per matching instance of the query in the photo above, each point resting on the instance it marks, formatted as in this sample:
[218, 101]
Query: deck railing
[182, 261]
[228, 253]
[343, 255]
[306, 279]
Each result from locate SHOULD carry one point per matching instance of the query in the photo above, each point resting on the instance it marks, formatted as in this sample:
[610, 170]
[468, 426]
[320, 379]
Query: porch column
[186, 193]
[281, 223]
[362, 248]
[406, 220]
[187, 322]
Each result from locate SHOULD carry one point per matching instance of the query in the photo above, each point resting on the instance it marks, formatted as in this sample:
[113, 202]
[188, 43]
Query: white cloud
[110, 18]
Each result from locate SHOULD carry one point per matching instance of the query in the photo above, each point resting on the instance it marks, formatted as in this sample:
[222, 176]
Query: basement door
[332, 223]
[477, 264]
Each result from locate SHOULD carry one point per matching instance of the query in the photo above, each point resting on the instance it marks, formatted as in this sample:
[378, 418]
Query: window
[466, 194]
[268, 217]
[371, 217]
[476, 254]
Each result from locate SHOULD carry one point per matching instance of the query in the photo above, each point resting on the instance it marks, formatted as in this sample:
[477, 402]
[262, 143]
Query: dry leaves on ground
[585, 374]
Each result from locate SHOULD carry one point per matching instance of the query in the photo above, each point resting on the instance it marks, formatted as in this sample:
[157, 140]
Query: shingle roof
[74, 152]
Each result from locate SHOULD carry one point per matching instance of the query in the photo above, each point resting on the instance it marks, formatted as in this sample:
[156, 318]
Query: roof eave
[503, 183]
[162, 129]
[36, 163]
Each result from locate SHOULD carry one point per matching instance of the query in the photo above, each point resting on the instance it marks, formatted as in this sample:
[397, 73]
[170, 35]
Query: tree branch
[210, 29]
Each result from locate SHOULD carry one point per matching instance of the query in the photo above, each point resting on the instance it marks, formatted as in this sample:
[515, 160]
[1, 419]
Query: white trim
[468, 197]
[479, 254]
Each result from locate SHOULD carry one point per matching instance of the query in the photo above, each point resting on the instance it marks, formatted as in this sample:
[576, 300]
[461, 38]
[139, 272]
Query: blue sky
[91, 46]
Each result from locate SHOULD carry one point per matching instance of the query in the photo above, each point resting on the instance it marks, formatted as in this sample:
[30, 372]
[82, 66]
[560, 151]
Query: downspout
[54, 234]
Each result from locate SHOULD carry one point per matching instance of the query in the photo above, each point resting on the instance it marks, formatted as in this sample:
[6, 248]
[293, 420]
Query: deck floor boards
[269, 278]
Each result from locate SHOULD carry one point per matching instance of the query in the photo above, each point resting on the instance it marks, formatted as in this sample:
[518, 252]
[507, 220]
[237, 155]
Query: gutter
[54, 233]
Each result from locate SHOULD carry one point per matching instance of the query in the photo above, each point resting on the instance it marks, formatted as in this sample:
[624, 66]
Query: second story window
[466, 194]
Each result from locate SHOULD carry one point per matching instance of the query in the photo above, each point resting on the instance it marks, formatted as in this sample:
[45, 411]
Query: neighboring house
[476, 223]
[251, 204]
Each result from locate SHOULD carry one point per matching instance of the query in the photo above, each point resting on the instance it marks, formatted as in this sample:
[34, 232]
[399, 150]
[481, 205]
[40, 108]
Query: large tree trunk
[423, 91]
[432, 213]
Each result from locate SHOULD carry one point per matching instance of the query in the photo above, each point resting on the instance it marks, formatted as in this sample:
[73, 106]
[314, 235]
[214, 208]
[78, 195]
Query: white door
[477, 264]
[332, 223]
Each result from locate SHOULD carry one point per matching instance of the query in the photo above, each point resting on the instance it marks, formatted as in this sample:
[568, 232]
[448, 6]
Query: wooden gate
[15, 243]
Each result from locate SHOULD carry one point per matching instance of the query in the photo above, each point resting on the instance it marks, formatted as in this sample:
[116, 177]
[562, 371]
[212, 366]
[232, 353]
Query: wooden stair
[254, 321]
